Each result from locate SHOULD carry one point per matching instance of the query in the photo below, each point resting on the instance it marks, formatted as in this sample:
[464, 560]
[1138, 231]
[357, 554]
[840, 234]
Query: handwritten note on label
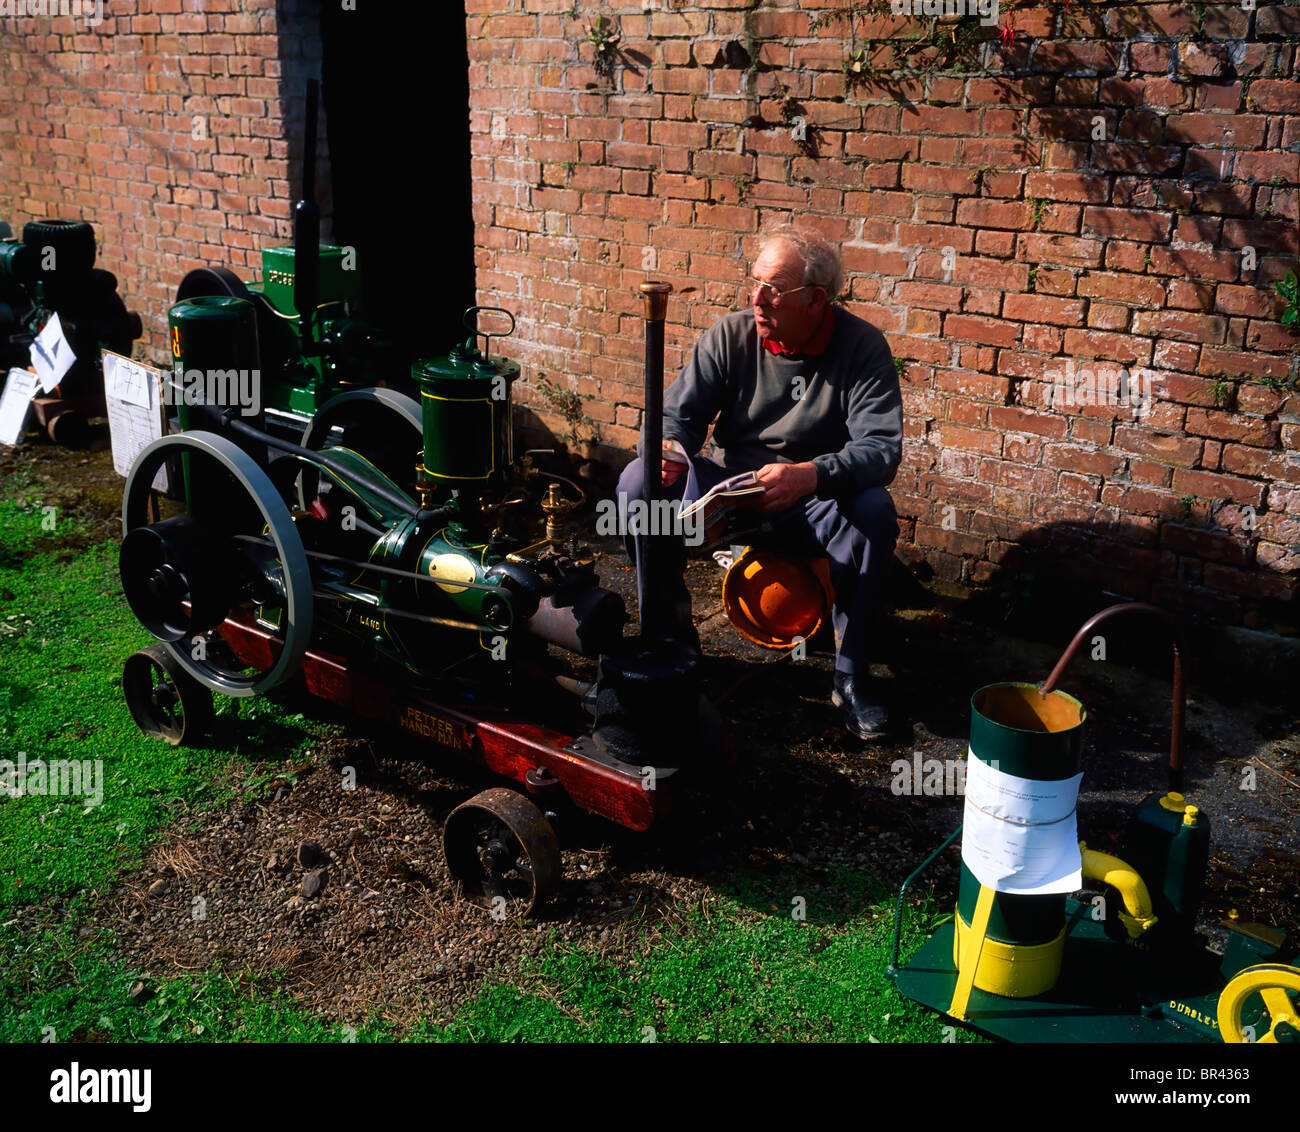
[132, 397]
[14, 403]
[51, 355]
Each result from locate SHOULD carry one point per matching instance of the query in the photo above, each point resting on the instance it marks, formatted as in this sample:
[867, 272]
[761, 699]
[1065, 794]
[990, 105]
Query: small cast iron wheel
[502, 851]
[1277, 985]
[165, 700]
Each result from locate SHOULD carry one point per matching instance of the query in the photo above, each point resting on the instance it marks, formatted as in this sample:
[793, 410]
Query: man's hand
[670, 471]
[786, 484]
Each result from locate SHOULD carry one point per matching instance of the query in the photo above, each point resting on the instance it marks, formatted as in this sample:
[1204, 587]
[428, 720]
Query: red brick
[970, 439]
[1218, 362]
[938, 178]
[970, 384]
[1076, 458]
[955, 542]
[1098, 344]
[1181, 450]
[1014, 419]
[980, 213]
[1223, 425]
[1213, 486]
[1141, 500]
[1181, 325]
[975, 328]
[1041, 308]
[1081, 187]
[1240, 131]
[1063, 250]
[1277, 95]
[1131, 223]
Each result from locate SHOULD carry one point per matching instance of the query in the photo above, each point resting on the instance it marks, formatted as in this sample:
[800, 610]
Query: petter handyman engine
[402, 559]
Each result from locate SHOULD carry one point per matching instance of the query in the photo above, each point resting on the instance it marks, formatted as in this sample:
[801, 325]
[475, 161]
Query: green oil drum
[1022, 733]
[215, 355]
[215, 367]
[465, 400]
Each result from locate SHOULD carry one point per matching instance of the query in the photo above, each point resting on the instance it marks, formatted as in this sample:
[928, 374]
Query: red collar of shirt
[815, 345]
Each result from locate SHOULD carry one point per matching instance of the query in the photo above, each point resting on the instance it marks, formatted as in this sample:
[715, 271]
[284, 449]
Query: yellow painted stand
[970, 958]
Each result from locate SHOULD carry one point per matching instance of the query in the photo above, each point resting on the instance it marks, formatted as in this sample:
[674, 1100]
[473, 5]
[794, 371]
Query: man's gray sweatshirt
[840, 409]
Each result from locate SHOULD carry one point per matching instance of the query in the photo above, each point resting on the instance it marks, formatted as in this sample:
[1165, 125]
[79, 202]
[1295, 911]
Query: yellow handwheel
[1275, 983]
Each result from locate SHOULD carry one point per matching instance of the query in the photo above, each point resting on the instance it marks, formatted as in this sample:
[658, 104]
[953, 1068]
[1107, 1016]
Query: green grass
[64, 634]
[745, 971]
[58, 988]
[726, 977]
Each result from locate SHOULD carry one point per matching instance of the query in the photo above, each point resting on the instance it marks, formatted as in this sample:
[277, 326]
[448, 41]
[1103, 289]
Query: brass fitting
[424, 486]
[555, 507]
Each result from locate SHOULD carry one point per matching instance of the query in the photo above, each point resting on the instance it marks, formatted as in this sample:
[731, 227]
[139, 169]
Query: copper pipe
[1180, 687]
[655, 296]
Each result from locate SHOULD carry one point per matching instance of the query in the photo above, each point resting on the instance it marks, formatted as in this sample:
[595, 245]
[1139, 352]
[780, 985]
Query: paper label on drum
[15, 403]
[1020, 835]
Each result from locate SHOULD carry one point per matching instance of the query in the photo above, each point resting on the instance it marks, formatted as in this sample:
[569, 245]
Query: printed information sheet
[1020, 835]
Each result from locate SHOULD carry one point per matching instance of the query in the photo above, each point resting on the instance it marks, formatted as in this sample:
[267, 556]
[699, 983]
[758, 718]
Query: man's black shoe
[864, 714]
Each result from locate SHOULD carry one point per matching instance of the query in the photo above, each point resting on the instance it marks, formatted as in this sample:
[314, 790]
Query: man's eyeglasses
[769, 293]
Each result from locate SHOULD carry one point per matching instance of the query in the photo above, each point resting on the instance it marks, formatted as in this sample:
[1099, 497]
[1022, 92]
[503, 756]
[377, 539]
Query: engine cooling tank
[465, 400]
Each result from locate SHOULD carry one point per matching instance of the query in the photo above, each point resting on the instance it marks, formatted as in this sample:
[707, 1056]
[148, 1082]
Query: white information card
[133, 396]
[1020, 835]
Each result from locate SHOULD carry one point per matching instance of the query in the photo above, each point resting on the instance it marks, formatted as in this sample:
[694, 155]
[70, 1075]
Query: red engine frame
[542, 760]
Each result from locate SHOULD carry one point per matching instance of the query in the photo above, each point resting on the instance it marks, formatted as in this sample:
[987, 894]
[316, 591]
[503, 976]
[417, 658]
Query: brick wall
[165, 126]
[1071, 213]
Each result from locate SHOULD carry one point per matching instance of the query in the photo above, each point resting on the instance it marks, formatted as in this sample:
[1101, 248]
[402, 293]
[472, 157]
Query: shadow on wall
[1054, 577]
[1051, 578]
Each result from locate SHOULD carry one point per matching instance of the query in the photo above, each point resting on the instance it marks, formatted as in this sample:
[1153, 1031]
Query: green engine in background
[340, 280]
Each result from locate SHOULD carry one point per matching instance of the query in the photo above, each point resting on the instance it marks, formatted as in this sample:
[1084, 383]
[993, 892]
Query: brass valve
[425, 488]
[555, 507]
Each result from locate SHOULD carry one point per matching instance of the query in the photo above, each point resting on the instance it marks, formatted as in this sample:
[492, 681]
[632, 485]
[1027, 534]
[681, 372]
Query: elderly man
[805, 394]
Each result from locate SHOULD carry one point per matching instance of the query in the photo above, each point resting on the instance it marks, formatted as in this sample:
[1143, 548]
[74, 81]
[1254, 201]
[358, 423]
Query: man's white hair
[821, 258]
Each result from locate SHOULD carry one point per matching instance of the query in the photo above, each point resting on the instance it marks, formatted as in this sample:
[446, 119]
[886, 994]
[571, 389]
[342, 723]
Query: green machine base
[1102, 995]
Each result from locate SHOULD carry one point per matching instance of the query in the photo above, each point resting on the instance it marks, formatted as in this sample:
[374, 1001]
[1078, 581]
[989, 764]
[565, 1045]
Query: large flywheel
[235, 551]
[383, 425]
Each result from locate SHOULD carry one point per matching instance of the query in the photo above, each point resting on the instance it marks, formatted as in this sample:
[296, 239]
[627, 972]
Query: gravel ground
[387, 934]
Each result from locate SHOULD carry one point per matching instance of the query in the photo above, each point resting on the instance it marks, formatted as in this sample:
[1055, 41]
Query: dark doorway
[395, 85]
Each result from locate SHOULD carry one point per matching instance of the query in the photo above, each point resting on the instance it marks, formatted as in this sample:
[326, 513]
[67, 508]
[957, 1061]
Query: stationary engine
[412, 531]
[50, 271]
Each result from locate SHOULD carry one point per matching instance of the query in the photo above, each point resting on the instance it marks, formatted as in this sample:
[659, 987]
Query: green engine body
[457, 560]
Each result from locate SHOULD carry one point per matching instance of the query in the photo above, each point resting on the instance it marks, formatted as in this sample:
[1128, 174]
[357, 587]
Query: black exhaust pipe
[306, 235]
[655, 296]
